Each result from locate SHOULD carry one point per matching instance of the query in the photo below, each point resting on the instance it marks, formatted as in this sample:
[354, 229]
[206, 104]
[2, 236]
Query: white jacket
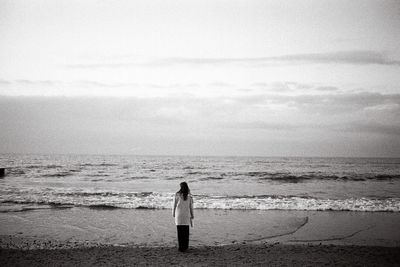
[183, 209]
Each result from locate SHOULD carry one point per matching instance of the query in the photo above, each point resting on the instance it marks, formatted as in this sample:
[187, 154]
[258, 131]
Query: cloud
[301, 96]
[353, 127]
[335, 103]
[261, 125]
[221, 84]
[372, 127]
[4, 82]
[343, 57]
[326, 88]
[174, 124]
[35, 82]
[356, 57]
[27, 82]
[26, 87]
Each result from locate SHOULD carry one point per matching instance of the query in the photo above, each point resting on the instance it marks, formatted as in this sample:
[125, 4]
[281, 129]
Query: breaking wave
[292, 178]
[154, 200]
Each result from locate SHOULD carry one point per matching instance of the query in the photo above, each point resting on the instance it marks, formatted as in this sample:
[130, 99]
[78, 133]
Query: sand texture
[86, 237]
[231, 255]
[74, 228]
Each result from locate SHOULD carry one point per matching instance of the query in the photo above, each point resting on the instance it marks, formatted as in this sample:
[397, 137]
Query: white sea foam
[297, 203]
[154, 200]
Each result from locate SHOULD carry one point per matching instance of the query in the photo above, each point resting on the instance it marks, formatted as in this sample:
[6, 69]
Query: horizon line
[188, 155]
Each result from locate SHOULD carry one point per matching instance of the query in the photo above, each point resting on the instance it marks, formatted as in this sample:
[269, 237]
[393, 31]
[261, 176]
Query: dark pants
[183, 237]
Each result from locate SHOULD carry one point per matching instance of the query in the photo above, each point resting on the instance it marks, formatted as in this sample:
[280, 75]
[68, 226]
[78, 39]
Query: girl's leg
[180, 237]
[183, 237]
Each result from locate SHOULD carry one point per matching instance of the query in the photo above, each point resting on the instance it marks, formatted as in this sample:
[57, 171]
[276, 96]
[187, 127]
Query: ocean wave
[104, 194]
[138, 178]
[97, 180]
[287, 177]
[211, 178]
[58, 174]
[39, 166]
[174, 178]
[33, 166]
[292, 178]
[301, 203]
[155, 200]
[97, 175]
[15, 171]
[196, 175]
[102, 207]
[104, 164]
[386, 177]
[194, 167]
[52, 166]
[20, 206]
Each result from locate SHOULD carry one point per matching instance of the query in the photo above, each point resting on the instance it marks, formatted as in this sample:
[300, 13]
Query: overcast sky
[217, 77]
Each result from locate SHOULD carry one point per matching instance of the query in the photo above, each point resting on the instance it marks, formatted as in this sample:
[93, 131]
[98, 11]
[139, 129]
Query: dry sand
[230, 255]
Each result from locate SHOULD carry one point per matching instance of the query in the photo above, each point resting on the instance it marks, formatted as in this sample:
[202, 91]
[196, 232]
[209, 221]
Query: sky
[209, 77]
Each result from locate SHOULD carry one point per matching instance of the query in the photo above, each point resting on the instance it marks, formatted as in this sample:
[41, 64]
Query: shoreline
[83, 227]
[93, 237]
[265, 254]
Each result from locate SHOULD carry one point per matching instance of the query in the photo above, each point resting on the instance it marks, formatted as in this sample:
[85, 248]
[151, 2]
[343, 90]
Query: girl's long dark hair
[184, 190]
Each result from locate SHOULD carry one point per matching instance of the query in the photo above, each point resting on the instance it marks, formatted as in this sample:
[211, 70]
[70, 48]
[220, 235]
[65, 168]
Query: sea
[34, 181]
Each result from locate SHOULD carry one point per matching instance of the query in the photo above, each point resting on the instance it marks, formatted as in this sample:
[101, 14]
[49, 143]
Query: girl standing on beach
[183, 214]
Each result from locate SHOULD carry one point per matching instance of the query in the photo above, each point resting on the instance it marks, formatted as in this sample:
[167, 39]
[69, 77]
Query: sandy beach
[93, 237]
[231, 255]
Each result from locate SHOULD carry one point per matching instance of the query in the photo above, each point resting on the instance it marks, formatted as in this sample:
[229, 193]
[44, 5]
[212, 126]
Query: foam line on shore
[334, 238]
[151, 228]
[279, 235]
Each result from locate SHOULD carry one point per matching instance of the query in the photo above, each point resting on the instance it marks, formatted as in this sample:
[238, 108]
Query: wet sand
[81, 236]
[78, 227]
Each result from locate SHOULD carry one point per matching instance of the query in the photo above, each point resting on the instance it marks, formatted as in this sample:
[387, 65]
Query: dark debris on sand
[232, 255]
